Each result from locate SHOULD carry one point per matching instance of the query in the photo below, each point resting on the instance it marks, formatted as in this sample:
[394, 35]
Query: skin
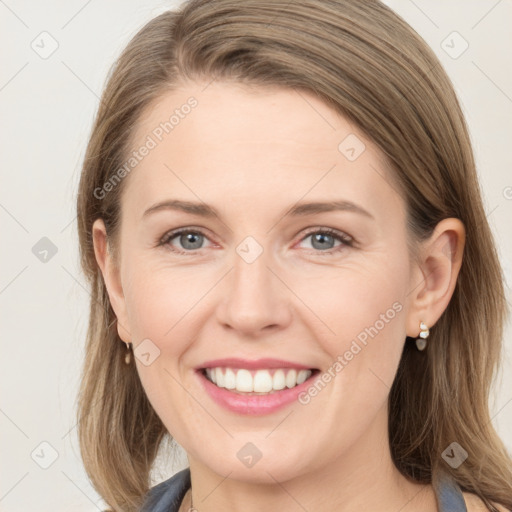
[252, 154]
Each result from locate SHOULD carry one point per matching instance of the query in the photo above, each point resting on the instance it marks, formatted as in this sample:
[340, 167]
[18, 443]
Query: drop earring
[421, 341]
[127, 357]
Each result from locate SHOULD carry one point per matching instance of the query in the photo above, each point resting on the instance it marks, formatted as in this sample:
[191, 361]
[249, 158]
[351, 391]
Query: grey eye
[322, 241]
[191, 240]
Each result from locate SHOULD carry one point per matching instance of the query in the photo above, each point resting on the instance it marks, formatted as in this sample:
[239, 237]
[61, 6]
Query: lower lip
[253, 404]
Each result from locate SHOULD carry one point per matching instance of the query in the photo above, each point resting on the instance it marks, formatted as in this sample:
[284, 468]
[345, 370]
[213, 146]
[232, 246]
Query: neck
[362, 478]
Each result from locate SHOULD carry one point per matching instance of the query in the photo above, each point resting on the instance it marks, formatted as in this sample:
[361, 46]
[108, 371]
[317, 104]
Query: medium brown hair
[370, 66]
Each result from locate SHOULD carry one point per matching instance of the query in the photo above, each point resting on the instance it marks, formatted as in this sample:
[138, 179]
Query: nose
[256, 300]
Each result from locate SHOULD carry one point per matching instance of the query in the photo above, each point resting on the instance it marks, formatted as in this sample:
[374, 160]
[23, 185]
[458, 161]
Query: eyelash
[346, 240]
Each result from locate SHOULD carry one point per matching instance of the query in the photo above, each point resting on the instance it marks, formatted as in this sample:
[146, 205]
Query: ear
[435, 276]
[111, 277]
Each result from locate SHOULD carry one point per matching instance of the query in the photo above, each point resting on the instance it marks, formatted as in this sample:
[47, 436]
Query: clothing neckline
[167, 496]
[448, 493]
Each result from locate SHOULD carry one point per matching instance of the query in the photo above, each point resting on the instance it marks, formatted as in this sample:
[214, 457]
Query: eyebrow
[205, 210]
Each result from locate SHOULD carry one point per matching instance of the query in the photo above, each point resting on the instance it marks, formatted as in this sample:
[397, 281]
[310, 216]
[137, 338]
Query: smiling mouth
[257, 382]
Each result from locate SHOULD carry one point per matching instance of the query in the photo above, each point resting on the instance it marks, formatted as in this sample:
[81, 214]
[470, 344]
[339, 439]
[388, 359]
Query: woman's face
[266, 285]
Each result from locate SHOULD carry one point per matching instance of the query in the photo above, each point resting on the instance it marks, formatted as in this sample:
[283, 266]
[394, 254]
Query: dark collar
[168, 495]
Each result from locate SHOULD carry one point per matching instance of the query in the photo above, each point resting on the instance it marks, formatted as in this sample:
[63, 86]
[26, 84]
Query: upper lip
[257, 364]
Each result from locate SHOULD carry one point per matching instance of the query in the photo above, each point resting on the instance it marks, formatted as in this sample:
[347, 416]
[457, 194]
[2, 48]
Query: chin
[266, 470]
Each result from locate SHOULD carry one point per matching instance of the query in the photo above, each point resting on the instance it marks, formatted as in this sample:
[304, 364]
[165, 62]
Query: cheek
[365, 313]
[161, 302]
[360, 303]
[162, 306]
[364, 355]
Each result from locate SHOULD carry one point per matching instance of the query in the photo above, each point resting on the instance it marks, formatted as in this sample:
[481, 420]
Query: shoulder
[475, 504]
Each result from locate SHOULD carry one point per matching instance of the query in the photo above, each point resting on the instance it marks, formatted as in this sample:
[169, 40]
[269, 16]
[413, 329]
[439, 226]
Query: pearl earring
[127, 357]
[421, 342]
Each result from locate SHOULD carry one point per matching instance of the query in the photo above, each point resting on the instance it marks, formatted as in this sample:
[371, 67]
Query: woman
[292, 271]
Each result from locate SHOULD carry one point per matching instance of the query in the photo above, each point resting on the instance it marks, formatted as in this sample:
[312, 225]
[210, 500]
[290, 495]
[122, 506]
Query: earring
[127, 357]
[421, 342]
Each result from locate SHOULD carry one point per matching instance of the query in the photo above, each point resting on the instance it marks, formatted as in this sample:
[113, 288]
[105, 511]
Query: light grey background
[47, 107]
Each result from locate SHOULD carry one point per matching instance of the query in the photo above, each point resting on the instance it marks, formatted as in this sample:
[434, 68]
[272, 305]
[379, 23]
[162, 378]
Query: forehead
[230, 140]
[248, 114]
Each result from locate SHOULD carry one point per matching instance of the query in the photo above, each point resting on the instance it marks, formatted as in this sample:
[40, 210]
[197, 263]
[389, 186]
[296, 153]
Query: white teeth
[302, 376]
[291, 378]
[261, 382]
[230, 379]
[244, 381]
[219, 376]
[279, 381]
